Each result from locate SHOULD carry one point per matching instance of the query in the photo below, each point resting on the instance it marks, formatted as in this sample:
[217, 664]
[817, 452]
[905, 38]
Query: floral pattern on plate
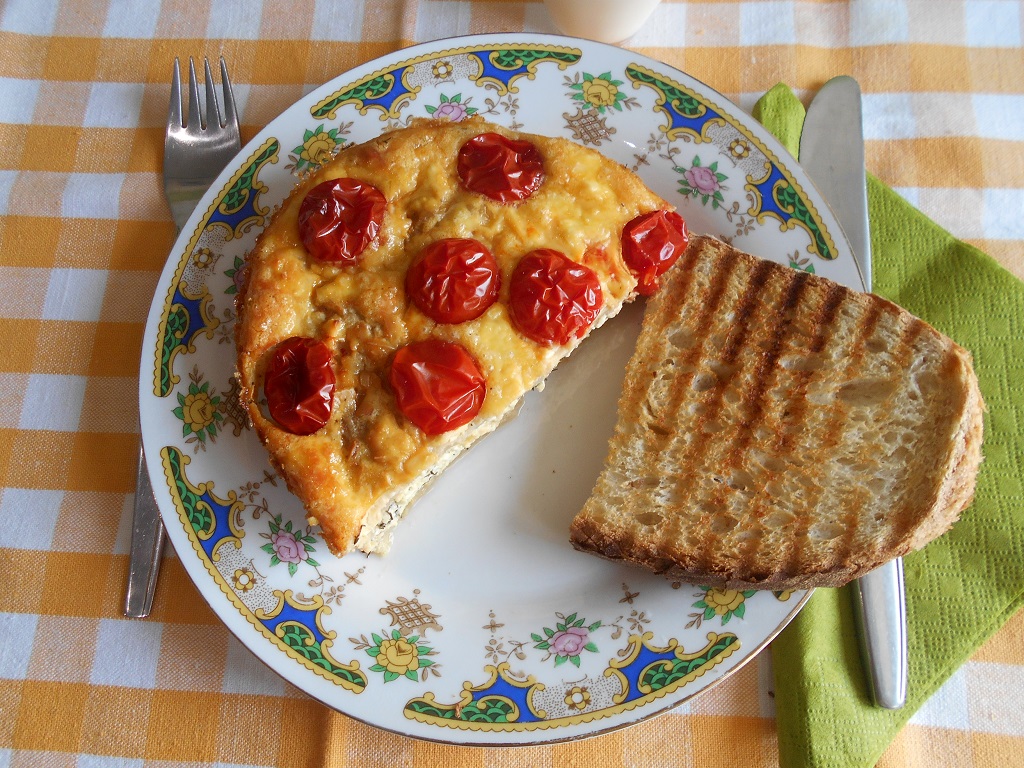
[521, 640]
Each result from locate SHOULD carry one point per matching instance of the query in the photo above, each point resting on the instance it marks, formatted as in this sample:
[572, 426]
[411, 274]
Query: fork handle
[147, 546]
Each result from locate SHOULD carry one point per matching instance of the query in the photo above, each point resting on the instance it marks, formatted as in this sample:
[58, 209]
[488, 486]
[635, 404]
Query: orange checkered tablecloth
[84, 232]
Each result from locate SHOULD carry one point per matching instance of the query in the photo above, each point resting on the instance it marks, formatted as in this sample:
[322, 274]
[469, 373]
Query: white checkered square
[23, 290]
[1003, 214]
[244, 673]
[114, 105]
[131, 18]
[889, 116]
[75, 294]
[991, 690]
[241, 91]
[537, 19]
[17, 100]
[338, 22]
[127, 653]
[947, 707]
[667, 24]
[53, 401]
[29, 17]
[877, 22]
[7, 179]
[935, 118]
[993, 23]
[445, 18]
[106, 761]
[936, 23]
[912, 195]
[234, 21]
[959, 211]
[998, 115]
[123, 540]
[17, 636]
[12, 393]
[768, 23]
[92, 196]
[28, 517]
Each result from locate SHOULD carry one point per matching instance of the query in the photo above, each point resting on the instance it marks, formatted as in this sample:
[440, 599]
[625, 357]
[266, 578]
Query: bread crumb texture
[777, 430]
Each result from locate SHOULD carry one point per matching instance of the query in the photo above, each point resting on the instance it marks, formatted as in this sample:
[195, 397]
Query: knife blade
[832, 153]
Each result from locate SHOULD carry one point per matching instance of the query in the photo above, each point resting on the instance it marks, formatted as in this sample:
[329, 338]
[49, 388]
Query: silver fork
[195, 152]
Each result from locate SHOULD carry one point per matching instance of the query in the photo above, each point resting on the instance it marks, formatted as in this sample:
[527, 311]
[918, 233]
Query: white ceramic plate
[482, 626]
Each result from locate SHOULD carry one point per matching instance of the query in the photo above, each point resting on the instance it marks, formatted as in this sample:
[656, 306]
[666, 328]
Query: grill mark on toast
[822, 322]
[671, 306]
[661, 438]
[834, 436]
[678, 295]
[835, 424]
[749, 299]
[834, 338]
[851, 522]
[765, 375]
[904, 521]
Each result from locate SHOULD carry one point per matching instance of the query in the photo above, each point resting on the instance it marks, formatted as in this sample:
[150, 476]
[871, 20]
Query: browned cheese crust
[368, 454]
[779, 431]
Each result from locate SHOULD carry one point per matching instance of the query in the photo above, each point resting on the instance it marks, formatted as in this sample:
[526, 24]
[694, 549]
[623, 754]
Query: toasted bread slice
[778, 431]
[357, 474]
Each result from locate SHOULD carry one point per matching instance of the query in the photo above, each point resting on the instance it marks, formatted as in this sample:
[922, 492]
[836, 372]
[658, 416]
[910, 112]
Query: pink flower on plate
[702, 179]
[452, 111]
[452, 108]
[569, 638]
[287, 547]
[570, 641]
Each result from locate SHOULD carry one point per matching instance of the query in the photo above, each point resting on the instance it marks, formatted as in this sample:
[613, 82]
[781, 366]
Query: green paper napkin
[964, 585]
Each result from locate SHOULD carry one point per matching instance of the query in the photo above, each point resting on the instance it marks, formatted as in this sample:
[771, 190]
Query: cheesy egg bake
[407, 294]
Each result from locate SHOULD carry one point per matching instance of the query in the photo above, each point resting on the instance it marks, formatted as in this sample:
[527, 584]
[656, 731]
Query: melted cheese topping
[368, 453]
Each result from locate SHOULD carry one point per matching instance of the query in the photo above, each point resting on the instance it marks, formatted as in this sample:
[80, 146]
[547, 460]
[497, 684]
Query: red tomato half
[299, 385]
[552, 298]
[651, 243]
[506, 170]
[453, 280]
[339, 218]
[437, 384]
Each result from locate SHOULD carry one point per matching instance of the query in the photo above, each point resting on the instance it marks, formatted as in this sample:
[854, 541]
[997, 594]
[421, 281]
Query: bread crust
[358, 473]
[846, 436]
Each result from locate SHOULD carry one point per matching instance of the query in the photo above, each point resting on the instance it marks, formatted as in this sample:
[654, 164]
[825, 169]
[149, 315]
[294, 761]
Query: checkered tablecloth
[84, 231]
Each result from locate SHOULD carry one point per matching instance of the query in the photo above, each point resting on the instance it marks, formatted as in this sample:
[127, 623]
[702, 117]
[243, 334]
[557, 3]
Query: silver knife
[832, 153]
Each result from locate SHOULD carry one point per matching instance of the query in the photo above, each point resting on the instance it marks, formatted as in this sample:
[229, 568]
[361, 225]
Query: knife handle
[880, 611]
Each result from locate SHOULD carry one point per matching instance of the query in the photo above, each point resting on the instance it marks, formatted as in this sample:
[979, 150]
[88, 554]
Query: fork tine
[174, 111]
[195, 115]
[212, 109]
[230, 115]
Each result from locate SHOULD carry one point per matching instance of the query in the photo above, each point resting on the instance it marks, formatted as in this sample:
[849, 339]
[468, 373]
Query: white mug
[607, 21]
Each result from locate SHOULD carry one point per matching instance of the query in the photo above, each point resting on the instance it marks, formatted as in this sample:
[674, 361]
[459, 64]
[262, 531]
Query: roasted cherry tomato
[299, 385]
[503, 169]
[437, 384]
[453, 280]
[552, 298]
[651, 243]
[339, 218]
